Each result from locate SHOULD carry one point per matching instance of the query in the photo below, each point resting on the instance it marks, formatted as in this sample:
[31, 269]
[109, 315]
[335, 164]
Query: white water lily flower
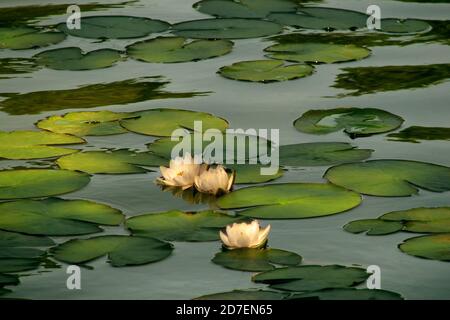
[245, 235]
[214, 181]
[181, 172]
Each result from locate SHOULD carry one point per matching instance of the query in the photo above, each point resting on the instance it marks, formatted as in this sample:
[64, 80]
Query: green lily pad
[312, 277]
[115, 27]
[18, 38]
[373, 226]
[226, 28]
[265, 71]
[251, 173]
[409, 26]
[415, 133]
[290, 200]
[12, 265]
[356, 122]
[321, 154]
[244, 8]
[21, 253]
[180, 226]
[13, 240]
[73, 58]
[245, 295]
[434, 247]
[429, 220]
[4, 291]
[177, 49]
[349, 294]
[35, 183]
[110, 162]
[86, 123]
[56, 217]
[121, 250]
[317, 52]
[11, 66]
[8, 280]
[256, 259]
[390, 178]
[162, 122]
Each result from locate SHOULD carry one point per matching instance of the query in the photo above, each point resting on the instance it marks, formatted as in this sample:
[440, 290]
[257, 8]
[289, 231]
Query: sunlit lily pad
[27, 38]
[403, 26]
[390, 178]
[56, 217]
[373, 226]
[290, 200]
[226, 28]
[180, 226]
[415, 133]
[73, 58]
[434, 247]
[245, 295]
[265, 71]
[177, 49]
[317, 52]
[35, 144]
[35, 183]
[429, 220]
[256, 259]
[312, 277]
[356, 122]
[349, 294]
[121, 250]
[321, 154]
[115, 27]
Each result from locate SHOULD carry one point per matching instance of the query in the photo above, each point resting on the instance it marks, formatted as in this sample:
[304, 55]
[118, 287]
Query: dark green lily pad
[226, 28]
[392, 25]
[256, 259]
[12, 265]
[251, 173]
[35, 183]
[265, 71]
[8, 280]
[110, 162]
[4, 291]
[35, 144]
[18, 38]
[312, 277]
[56, 217]
[349, 294]
[115, 27]
[21, 253]
[245, 295]
[290, 200]
[13, 240]
[356, 122]
[317, 52]
[73, 58]
[415, 133]
[321, 154]
[390, 178]
[429, 220]
[180, 226]
[121, 250]
[434, 247]
[177, 49]
[373, 226]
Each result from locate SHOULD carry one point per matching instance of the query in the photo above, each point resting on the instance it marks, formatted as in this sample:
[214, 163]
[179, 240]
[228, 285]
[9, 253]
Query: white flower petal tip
[214, 181]
[180, 173]
[245, 235]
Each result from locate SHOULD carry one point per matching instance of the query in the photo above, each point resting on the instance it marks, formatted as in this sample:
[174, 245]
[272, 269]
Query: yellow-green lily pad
[18, 38]
[434, 247]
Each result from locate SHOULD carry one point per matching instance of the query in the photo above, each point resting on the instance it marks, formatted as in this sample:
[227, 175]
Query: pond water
[189, 273]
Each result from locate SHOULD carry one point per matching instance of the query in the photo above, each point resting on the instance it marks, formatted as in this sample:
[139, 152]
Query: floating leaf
[13, 239]
[21, 253]
[180, 226]
[321, 154]
[373, 226]
[115, 27]
[434, 247]
[349, 294]
[226, 28]
[393, 25]
[290, 200]
[265, 71]
[317, 52]
[8, 280]
[390, 178]
[121, 250]
[356, 122]
[18, 38]
[177, 49]
[11, 66]
[256, 259]
[11, 265]
[432, 220]
[415, 133]
[245, 295]
[251, 173]
[35, 183]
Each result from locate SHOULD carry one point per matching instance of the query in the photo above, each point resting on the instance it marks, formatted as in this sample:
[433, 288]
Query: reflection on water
[11, 66]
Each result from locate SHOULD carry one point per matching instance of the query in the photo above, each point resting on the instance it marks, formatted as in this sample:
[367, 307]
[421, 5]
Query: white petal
[224, 239]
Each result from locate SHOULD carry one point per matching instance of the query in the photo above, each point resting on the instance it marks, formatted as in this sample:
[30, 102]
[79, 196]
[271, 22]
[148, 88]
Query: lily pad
[321, 154]
[356, 122]
[408, 26]
[390, 178]
[349, 294]
[35, 183]
[35, 144]
[56, 217]
[290, 200]
[86, 123]
[312, 277]
[180, 226]
[110, 162]
[18, 38]
[13, 239]
[429, 220]
[11, 66]
[317, 52]
[233, 28]
[12, 265]
[415, 133]
[373, 226]
[8, 280]
[256, 260]
[115, 27]
[265, 71]
[162, 122]
[121, 250]
[245, 295]
[434, 247]
[73, 58]
[251, 173]
[178, 49]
